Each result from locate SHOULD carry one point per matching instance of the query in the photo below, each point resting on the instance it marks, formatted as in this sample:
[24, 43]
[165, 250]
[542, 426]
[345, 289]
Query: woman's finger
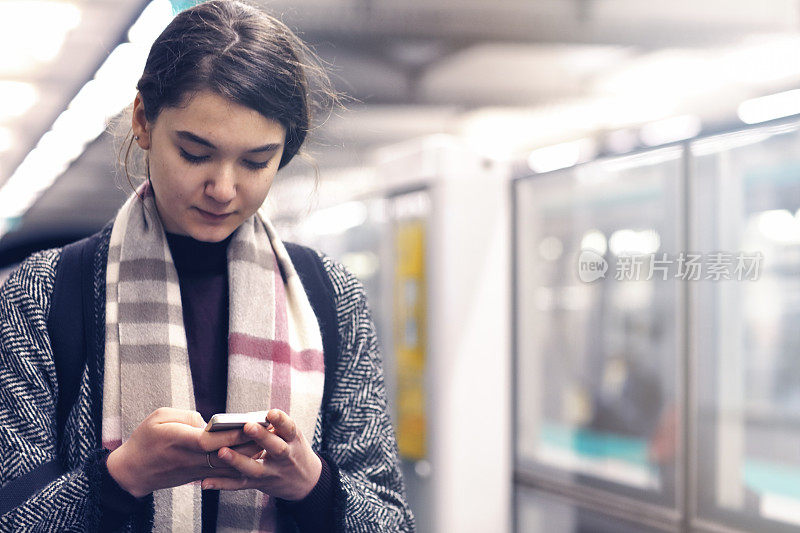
[284, 426]
[251, 449]
[223, 483]
[170, 414]
[271, 442]
[245, 465]
[221, 470]
[211, 441]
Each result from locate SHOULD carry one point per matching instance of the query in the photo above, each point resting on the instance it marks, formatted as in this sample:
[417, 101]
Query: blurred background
[488, 147]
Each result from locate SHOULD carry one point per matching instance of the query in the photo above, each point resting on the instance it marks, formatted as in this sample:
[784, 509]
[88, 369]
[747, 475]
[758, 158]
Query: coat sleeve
[36, 491]
[358, 440]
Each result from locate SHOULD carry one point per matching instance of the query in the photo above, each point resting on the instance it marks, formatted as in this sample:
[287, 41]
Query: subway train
[655, 338]
[608, 347]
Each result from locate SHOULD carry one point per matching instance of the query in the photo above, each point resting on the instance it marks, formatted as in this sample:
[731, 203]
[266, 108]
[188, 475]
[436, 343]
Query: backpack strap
[321, 295]
[71, 322]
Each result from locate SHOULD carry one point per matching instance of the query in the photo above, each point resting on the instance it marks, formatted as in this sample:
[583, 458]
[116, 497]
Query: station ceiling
[418, 67]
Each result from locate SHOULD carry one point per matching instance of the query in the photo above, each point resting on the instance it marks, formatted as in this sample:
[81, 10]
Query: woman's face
[212, 163]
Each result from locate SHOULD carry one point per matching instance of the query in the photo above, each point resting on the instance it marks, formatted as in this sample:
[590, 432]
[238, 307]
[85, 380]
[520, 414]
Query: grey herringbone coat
[353, 432]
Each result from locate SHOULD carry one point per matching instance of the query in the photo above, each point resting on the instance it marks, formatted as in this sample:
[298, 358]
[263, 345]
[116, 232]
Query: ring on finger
[208, 460]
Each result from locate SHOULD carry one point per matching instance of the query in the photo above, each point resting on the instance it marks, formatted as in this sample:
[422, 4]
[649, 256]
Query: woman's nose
[222, 186]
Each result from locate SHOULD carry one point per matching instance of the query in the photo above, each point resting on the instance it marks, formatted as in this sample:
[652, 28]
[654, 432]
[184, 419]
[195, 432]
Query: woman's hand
[288, 468]
[169, 449]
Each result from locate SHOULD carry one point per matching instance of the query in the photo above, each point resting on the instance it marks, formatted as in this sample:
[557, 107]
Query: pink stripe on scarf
[112, 444]
[276, 351]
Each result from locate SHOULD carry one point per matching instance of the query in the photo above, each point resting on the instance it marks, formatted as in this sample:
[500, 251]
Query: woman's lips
[211, 216]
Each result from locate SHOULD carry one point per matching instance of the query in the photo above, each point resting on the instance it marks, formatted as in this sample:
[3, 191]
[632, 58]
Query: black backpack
[72, 323]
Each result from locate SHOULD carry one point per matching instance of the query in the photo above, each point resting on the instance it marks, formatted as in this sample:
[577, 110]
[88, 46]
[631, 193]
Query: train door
[745, 205]
[598, 338]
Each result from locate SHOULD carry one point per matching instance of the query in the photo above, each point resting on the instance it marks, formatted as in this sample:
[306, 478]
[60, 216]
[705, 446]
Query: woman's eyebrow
[266, 148]
[189, 136]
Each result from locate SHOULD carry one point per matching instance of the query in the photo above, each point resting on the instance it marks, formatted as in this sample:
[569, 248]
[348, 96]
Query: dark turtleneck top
[202, 269]
[203, 275]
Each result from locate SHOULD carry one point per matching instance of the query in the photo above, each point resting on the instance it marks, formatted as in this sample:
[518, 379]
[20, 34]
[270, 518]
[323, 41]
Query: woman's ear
[139, 124]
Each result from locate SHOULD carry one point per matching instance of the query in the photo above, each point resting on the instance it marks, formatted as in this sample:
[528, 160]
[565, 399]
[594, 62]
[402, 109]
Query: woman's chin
[205, 234]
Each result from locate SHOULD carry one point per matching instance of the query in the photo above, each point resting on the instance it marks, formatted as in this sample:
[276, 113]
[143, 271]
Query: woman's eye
[191, 158]
[252, 165]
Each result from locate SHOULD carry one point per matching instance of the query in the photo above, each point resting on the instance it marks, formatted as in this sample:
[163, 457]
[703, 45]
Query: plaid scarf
[274, 346]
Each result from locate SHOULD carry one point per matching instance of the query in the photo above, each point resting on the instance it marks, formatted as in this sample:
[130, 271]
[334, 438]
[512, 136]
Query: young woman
[199, 309]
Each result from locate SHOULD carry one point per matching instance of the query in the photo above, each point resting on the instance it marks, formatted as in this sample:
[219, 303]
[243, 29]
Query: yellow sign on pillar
[410, 337]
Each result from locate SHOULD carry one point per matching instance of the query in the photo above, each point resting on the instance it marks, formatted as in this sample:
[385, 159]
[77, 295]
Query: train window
[598, 327]
[537, 511]
[745, 192]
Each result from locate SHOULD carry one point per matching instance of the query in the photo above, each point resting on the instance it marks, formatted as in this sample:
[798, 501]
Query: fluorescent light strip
[562, 155]
[35, 30]
[111, 90]
[770, 107]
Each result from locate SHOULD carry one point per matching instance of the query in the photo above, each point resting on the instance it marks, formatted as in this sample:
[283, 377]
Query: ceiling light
[561, 155]
[81, 127]
[85, 118]
[621, 141]
[116, 80]
[16, 98]
[155, 17]
[35, 30]
[770, 107]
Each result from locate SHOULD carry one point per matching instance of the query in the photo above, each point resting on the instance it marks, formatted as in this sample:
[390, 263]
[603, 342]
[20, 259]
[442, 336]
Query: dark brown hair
[243, 54]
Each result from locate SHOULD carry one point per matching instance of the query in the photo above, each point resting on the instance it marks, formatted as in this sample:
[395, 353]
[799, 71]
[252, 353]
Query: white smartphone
[223, 421]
